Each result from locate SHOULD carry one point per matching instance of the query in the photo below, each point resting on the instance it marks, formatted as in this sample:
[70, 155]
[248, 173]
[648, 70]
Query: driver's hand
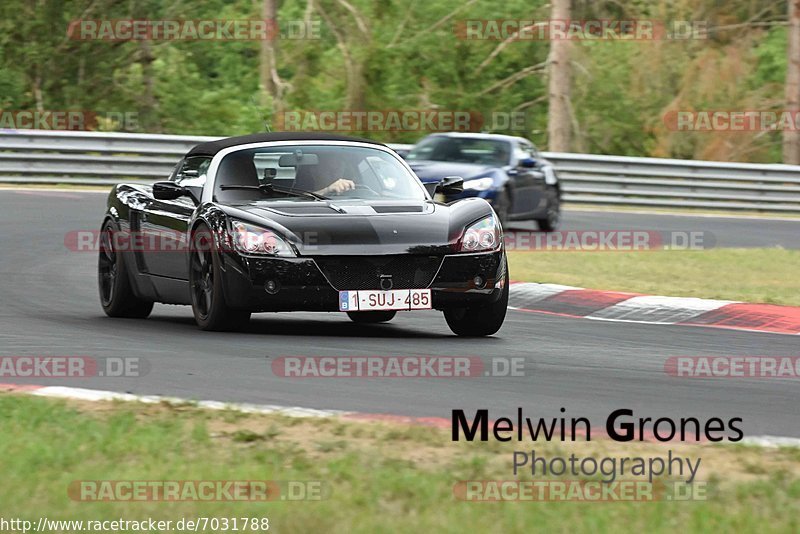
[338, 187]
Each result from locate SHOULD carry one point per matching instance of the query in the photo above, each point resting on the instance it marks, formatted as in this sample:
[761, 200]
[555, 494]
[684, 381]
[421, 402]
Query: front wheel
[371, 317]
[479, 321]
[211, 312]
[116, 294]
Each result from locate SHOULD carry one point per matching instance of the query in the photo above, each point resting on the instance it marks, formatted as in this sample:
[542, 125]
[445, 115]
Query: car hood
[433, 171]
[360, 227]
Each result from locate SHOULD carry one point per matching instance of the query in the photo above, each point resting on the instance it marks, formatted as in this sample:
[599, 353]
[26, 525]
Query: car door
[527, 178]
[166, 222]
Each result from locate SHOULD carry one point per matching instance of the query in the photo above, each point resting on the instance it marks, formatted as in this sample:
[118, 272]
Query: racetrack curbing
[650, 309]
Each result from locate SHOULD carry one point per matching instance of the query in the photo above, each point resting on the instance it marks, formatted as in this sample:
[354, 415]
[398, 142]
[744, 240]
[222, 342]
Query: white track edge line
[93, 395]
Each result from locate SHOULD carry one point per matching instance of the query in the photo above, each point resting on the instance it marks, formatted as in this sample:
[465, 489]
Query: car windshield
[309, 172]
[462, 150]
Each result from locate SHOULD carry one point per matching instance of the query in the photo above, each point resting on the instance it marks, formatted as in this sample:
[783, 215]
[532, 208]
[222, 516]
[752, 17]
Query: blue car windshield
[462, 150]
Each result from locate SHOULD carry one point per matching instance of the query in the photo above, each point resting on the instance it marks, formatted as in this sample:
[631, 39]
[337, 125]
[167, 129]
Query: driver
[338, 187]
[334, 170]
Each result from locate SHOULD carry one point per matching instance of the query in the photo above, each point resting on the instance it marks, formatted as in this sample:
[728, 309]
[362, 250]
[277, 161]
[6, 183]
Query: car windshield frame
[210, 189]
[463, 139]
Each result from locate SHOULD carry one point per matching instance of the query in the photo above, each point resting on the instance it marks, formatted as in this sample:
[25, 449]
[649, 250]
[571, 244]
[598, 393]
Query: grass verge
[764, 275]
[382, 477]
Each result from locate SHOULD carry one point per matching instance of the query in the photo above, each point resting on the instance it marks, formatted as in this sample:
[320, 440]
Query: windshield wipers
[270, 189]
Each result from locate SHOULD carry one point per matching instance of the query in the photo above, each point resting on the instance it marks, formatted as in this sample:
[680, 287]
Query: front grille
[364, 272]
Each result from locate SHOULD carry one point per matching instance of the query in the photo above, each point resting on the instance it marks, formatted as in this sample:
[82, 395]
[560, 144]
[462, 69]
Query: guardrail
[33, 156]
[671, 183]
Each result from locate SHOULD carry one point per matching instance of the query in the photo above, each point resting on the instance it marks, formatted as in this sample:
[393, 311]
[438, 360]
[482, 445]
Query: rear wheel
[371, 317]
[502, 206]
[211, 312]
[479, 321]
[553, 215]
[116, 294]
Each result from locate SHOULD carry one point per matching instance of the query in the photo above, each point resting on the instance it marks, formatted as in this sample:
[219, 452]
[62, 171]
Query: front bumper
[298, 284]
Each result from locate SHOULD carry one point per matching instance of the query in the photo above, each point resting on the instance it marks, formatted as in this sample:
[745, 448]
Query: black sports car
[295, 221]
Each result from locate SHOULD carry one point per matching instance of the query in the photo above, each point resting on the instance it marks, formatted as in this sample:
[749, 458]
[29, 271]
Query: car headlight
[481, 235]
[479, 184]
[249, 239]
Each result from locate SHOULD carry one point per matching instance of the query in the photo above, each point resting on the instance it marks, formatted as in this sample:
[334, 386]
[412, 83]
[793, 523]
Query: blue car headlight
[481, 235]
[249, 239]
[479, 184]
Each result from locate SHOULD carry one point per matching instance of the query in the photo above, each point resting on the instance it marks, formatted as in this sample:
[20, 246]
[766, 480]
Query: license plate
[393, 299]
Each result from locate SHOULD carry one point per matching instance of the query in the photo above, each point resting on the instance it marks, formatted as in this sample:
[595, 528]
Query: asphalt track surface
[50, 307]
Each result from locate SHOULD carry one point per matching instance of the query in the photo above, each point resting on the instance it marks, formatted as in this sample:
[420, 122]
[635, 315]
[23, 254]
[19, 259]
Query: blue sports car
[507, 171]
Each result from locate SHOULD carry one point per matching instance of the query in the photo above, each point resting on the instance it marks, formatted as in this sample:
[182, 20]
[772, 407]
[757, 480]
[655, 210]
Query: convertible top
[210, 148]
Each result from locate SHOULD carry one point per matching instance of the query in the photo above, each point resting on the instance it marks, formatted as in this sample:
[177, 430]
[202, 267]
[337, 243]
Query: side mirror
[527, 163]
[167, 191]
[450, 185]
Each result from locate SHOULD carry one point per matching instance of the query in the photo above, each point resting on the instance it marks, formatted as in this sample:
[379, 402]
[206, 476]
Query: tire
[502, 207]
[371, 317]
[479, 321]
[550, 222]
[211, 312]
[116, 294]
